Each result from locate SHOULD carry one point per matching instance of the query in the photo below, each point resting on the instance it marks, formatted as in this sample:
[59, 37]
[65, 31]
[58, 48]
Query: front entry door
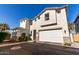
[34, 35]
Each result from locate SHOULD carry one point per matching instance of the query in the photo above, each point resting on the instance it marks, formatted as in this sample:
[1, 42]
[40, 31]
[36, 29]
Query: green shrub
[3, 36]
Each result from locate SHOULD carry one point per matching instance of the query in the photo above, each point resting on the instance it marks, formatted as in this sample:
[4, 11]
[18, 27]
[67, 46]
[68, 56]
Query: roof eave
[50, 8]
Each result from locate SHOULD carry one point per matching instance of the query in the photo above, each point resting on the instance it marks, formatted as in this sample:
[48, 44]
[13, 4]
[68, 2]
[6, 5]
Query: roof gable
[50, 8]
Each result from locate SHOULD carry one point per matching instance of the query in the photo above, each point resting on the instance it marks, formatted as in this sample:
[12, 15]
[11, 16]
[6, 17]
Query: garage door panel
[51, 36]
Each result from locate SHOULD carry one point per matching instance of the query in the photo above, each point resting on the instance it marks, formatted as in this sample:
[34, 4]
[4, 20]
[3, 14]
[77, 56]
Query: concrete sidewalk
[75, 45]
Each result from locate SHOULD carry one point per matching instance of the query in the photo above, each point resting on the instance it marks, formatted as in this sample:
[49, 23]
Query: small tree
[70, 26]
[4, 27]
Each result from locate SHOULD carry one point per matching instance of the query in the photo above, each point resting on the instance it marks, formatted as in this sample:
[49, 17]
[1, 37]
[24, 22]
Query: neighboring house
[75, 30]
[18, 31]
[76, 22]
[50, 25]
[25, 23]
[24, 28]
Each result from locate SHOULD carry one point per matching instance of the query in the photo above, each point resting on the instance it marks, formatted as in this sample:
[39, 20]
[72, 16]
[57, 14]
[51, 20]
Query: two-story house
[76, 22]
[50, 25]
[23, 28]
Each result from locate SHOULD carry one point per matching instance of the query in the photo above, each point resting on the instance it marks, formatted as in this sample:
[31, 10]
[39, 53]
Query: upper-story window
[30, 22]
[35, 19]
[58, 11]
[38, 17]
[47, 16]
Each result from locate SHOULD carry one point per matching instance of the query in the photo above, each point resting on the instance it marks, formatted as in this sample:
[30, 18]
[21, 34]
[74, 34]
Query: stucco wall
[61, 21]
[52, 17]
[25, 24]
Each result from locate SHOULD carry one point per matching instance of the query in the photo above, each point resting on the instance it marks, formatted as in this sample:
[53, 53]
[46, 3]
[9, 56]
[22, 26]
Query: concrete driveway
[31, 48]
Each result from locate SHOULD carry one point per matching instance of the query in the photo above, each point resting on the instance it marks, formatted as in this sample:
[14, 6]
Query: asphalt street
[37, 49]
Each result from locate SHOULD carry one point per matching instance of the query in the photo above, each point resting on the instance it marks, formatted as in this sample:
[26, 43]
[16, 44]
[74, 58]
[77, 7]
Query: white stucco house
[23, 28]
[50, 25]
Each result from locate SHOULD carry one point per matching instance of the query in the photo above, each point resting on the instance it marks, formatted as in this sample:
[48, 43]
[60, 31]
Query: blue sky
[11, 13]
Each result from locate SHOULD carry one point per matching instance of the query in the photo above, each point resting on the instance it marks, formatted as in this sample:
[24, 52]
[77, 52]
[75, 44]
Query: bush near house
[4, 27]
[3, 36]
[23, 37]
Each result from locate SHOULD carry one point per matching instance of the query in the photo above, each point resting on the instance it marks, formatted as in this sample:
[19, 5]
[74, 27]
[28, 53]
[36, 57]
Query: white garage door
[51, 36]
